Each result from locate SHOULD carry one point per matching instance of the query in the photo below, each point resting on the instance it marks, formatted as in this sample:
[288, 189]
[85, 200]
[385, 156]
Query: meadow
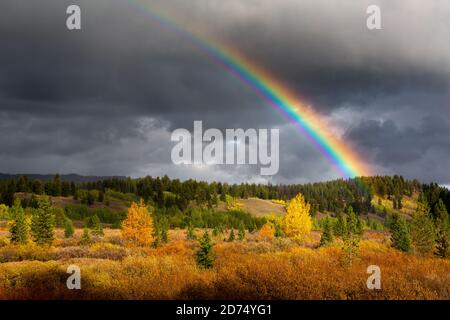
[165, 239]
[253, 268]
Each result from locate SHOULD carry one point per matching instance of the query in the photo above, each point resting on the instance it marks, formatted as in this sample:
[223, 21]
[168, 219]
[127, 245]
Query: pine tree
[205, 254]
[85, 237]
[97, 228]
[137, 228]
[164, 230]
[232, 236]
[68, 228]
[19, 227]
[42, 223]
[422, 229]
[442, 230]
[327, 234]
[400, 235]
[297, 222]
[190, 232]
[340, 228]
[354, 224]
[352, 237]
[241, 234]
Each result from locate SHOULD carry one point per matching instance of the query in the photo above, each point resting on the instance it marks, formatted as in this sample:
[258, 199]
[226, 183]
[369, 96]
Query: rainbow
[338, 152]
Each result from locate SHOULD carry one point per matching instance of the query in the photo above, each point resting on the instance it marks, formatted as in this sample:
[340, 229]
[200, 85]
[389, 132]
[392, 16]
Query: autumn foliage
[266, 233]
[297, 222]
[137, 228]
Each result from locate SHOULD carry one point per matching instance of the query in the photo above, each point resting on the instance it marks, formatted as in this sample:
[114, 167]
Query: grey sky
[105, 99]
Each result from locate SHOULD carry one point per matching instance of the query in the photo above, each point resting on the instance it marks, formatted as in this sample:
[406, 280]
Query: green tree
[68, 228]
[85, 237]
[232, 236]
[42, 223]
[340, 228]
[19, 227]
[97, 228]
[241, 234]
[205, 254]
[354, 224]
[327, 234]
[422, 229]
[400, 235]
[442, 230]
[352, 237]
[190, 232]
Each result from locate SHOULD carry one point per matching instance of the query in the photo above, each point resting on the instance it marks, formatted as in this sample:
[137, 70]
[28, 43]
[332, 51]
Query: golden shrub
[266, 233]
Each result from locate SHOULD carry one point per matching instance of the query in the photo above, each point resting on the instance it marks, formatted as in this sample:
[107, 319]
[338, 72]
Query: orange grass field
[249, 269]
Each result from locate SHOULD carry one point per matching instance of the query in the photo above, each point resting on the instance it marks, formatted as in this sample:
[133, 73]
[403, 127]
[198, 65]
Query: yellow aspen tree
[297, 222]
[137, 228]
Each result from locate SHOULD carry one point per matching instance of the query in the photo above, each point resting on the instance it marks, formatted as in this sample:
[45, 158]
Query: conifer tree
[164, 230]
[442, 230]
[241, 234]
[400, 236]
[19, 228]
[297, 222]
[340, 228]
[42, 223]
[97, 228]
[422, 229]
[190, 232]
[205, 254]
[232, 236]
[327, 234]
[85, 237]
[68, 228]
[352, 237]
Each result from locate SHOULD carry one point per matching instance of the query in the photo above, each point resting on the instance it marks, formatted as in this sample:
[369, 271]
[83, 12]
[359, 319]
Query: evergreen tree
[68, 228]
[190, 232]
[400, 236]
[85, 237]
[327, 234]
[19, 227]
[205, 254]
[442, 230]
[352, 237]
[164, 230]
[232, 236]
[422, 229]
[340, 228]
[241, 234]
[42, 223]
[97, 228]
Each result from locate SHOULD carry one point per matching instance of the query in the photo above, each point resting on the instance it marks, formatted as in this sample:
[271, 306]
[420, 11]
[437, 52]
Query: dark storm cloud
[410, 151]
[104, 100]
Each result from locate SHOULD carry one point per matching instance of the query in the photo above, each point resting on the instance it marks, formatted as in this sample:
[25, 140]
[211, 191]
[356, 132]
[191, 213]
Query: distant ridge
[64, 177]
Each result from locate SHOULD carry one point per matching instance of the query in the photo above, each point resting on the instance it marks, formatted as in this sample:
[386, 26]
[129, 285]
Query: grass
[249, 269]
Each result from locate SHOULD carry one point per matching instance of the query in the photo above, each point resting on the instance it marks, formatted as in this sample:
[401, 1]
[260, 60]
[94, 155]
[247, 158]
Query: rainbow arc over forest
[346, 161]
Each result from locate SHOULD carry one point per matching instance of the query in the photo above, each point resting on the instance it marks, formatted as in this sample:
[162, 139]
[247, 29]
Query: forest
[175, 239]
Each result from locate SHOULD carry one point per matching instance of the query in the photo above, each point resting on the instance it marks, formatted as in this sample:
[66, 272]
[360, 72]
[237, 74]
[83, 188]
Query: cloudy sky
[104, 100]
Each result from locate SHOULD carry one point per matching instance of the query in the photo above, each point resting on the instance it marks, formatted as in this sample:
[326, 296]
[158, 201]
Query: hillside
[258, 207]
